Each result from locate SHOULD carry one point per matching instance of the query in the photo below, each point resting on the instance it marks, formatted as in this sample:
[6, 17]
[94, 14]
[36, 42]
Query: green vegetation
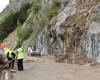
[36, 8]
[37, 19]
[53, 11]
[19, 32]
[23, 34]
[30, 20]
[24, 31]
[8, 22]
[41, 17]
[23, 13]
[43, 21]
[56, 3]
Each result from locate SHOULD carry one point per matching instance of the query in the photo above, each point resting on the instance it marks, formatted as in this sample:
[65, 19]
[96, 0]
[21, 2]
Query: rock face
[52, 40]
[75, 32]
[15, 5]
[93, 35]
[68, 11]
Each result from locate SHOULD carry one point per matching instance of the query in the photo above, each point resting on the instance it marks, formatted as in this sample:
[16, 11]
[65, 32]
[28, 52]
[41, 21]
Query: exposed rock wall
[92, 43]
[53, 37]
[68, 32]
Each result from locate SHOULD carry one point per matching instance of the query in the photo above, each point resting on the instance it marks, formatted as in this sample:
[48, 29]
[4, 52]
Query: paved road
[46, 69]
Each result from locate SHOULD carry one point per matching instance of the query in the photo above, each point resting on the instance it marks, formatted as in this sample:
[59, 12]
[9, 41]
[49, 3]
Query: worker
[11, 58]
[20, 57]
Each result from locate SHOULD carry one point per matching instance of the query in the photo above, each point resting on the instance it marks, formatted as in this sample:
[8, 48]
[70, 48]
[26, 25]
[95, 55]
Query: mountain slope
[58, 27]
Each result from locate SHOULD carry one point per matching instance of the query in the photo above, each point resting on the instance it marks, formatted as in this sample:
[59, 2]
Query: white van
[31, 51]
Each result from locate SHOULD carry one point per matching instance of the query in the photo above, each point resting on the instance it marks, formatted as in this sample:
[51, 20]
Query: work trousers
[20, 64]
[11, 63]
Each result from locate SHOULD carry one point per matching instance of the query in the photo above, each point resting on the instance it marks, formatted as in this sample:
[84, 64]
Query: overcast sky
[3, 4]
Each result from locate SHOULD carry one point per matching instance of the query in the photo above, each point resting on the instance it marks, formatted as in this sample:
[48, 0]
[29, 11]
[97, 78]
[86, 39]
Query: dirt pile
[75, 28]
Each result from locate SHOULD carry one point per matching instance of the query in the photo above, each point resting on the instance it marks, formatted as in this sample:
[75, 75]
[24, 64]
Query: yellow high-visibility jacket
[20, 54]
[9, 53]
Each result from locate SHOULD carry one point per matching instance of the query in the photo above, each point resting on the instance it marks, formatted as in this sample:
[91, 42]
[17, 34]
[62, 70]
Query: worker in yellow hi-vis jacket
[20, 57]
[11, 58]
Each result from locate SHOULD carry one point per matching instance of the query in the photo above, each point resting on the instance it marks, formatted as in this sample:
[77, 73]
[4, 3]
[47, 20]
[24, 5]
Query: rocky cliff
[74, 32]
[67, 28]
